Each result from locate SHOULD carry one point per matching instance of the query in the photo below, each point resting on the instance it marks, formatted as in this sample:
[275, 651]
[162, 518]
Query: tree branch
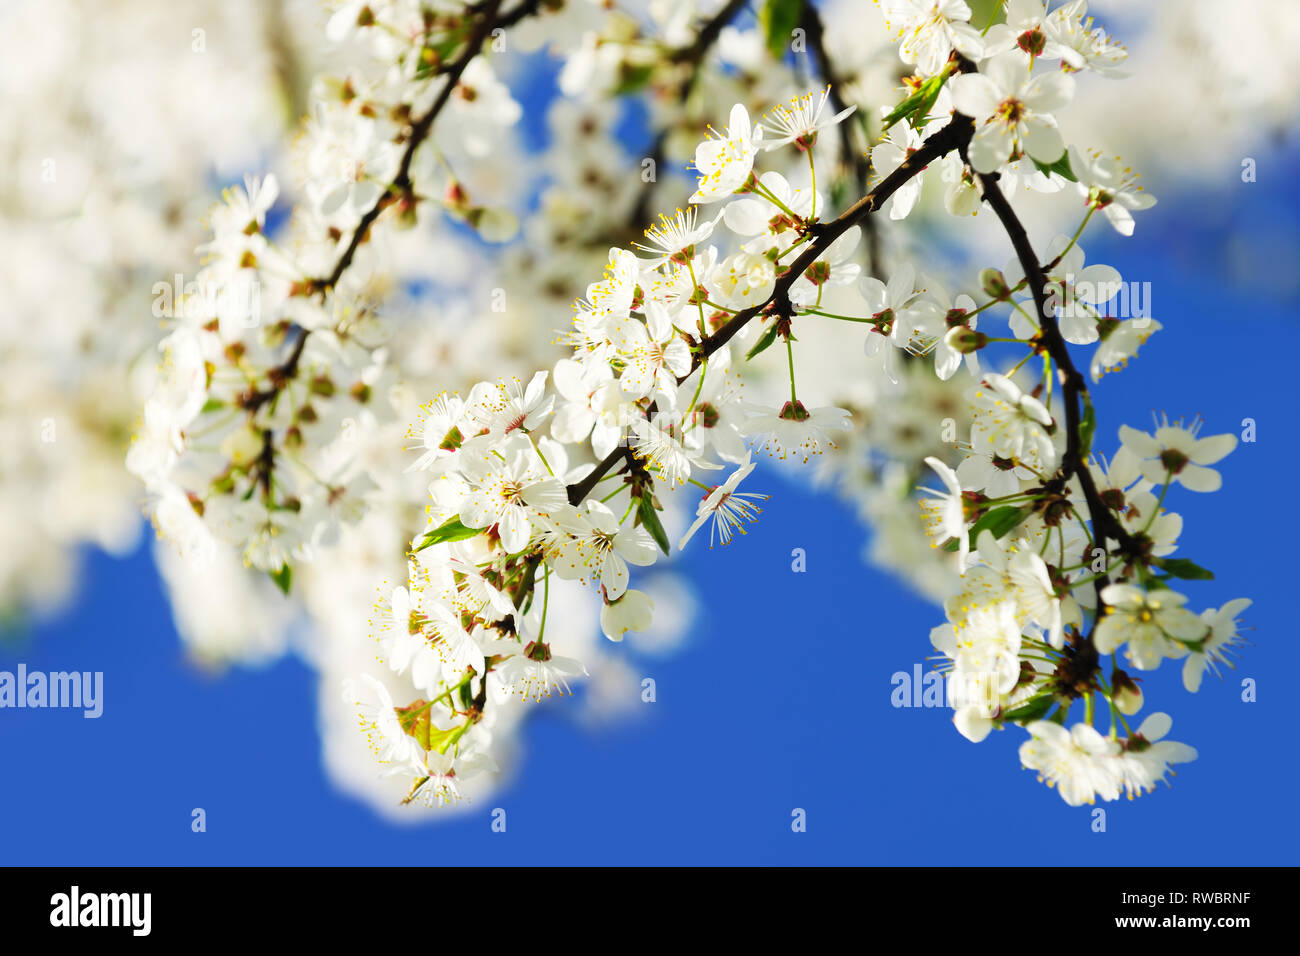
[853, 159]
[693, 54]
[953, 136]
[1073, 385]
[708, 34]
[401, 186]
[419, 133]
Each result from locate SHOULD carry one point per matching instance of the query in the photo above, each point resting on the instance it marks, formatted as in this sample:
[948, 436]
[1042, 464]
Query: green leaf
[645, 511]
[778, 20]
[766, 339]
[998, 520]
[414, 719]
[986, 12]
[918, 103]
[1087, 427]
[1061, 167]
[633, 78]
[905, 108]
[417, 720]
[1183, 568]
[451, 530]
[212, 405]
[283, 578]
[429, 63]
[1032, 710]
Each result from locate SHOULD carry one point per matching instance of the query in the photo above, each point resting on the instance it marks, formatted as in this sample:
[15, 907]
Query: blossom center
[1011, 111]
[1032, 41]
[1173, 460]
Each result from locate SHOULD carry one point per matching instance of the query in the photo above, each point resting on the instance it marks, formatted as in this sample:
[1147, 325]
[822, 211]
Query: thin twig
[953, 136]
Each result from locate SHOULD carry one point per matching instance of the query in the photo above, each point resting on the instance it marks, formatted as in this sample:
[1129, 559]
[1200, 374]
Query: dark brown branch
[281, 374]
[399, 190]
[1073, 386]
[522, 12]
[693, 55]
[852, 158]
[708, 34]
[580, 489]
[953, 136]
[401, 185]
[266, 464]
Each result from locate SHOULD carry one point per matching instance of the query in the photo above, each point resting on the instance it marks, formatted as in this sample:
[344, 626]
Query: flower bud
[995, 285]
[634, 611]
[242, 446]
[407, 218]
[493, 225]
[965, 340]
[455, 197]
[1128, 696]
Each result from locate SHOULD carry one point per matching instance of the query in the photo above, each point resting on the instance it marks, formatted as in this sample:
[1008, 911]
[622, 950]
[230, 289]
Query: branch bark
[953, 136]
[856, 160]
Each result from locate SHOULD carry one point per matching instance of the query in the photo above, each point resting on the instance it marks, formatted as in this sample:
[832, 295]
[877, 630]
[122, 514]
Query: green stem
[1073, 239]
[812, 168]
[546, 600]
[842, 318]
[789, 352]
[1155, 512]
[767, 194]
[704, 370]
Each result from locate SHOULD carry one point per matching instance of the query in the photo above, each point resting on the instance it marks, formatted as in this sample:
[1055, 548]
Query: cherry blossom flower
[835, 267]
[1153, 624]
[633, 611]
[1080, 763]
[531, 671]
[660, 442]
[1176, 453]
[377, 716]
[674, 239]
[887, 155]
[1120, 341]
[443, 431]
[507, 493]
[1027, 29]
[1147, 755]
[599, 547]
[1015, 423]
[800, 120]
[945, 512]
[445, 770]
[1069, 29]
[1107, 184]
[930, 30]
[656, 356]
[725, 162]
[504, 407]
[727, 508]
[1217, 647]
[1012, 111]
[796, 430]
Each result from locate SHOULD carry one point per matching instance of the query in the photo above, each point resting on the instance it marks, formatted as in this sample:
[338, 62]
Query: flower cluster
[278, 353]
[681, 365]
[650, 392]
[1062, 559]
